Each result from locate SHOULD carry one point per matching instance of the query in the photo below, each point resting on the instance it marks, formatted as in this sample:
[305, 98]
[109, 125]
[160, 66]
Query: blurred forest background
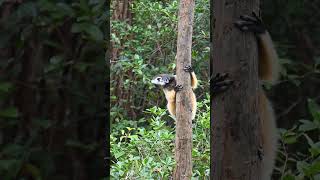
[143, 39]
[52, 67]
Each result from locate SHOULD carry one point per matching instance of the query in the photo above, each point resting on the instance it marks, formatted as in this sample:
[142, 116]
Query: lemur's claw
[219, 77]
[188, 68]
[178, 88]
[250, 23]
[260, 153]
[221, 83]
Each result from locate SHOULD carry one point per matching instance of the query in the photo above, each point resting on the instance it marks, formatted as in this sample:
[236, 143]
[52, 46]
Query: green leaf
[12, 150]
[314, 151]
[310, 142]
[7, 164]
[95, 32]
[56, 59]
[307, 125]
[289, 137]
[10, 112]
[66, 9]
[78, 27]
[315, 147]
[288, 177]
[43, 123]
[314, 109]
[81, 67]
[313, 169]
[119, 154]
[92, 30]
[301, 166]
[80, 145]
[5, 87]
[27, 9]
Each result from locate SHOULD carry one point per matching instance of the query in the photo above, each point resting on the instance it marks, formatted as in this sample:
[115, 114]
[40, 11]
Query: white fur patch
[155, 81]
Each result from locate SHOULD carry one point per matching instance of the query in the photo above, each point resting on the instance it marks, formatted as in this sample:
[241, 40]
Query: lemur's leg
[171, 99]
[220, 83]
[194, 80]
[268, 65]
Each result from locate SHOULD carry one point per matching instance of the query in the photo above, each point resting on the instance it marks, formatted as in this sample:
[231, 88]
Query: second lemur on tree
[268, 70]
[170, 88]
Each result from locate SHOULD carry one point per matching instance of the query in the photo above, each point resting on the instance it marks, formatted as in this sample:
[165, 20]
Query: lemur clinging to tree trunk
[170, 87]
[269, 71]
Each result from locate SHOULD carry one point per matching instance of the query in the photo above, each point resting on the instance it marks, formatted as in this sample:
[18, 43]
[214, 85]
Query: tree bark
[121, 12]
[235, 126]
[183, 143]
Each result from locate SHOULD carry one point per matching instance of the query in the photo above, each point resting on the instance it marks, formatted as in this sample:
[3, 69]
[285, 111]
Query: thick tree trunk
[183, 144]
[236, 137]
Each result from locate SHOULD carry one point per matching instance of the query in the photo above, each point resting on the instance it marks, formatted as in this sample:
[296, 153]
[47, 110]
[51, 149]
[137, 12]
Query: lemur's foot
[178, 88]
[220, 83]
[188, 68]
[260, 153]
[252, 23]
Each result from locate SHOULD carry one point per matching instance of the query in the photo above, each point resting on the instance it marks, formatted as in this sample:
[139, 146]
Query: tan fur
[171, 98]
[194, 81]
[268, 70]
[268, 62]
[269, 138]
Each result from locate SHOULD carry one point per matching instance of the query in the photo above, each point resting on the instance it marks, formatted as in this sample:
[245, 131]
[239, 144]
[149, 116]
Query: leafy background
[52, 66]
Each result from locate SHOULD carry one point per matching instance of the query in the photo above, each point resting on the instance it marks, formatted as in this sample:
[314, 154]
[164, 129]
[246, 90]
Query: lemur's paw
[178, 88]
[188, 68]
[251, 23]
[220, 83]
[260, 153]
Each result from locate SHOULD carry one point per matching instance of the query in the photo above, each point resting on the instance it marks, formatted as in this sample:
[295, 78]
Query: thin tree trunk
[121, 12]
[183, 143]
[236, 137]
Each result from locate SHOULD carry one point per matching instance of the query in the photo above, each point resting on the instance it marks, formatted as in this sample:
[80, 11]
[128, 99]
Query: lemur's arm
[194, 80]
[268, 65]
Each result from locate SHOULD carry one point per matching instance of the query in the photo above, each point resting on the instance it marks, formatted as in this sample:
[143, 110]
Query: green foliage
[147, 152]
[304, 163]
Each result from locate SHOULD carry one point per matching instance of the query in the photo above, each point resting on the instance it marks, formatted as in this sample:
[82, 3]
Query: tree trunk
[183, 143]
[236, 136]
[121, 12]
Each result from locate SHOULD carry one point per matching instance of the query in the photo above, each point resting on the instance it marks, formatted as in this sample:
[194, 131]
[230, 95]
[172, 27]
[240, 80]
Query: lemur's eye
[158, 78]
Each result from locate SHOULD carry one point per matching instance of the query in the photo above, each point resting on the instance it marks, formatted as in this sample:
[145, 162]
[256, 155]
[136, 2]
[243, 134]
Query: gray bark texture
[183, 142]
[235, 126]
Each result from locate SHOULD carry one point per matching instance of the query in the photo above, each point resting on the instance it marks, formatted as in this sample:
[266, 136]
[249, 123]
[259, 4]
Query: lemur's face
[160, 80]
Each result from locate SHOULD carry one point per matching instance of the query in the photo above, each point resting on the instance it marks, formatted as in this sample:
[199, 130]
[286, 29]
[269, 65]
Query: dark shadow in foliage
[52, 65]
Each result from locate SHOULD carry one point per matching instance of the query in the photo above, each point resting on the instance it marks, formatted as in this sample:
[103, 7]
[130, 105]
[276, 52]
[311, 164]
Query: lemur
[268, 70]
[170, 88]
